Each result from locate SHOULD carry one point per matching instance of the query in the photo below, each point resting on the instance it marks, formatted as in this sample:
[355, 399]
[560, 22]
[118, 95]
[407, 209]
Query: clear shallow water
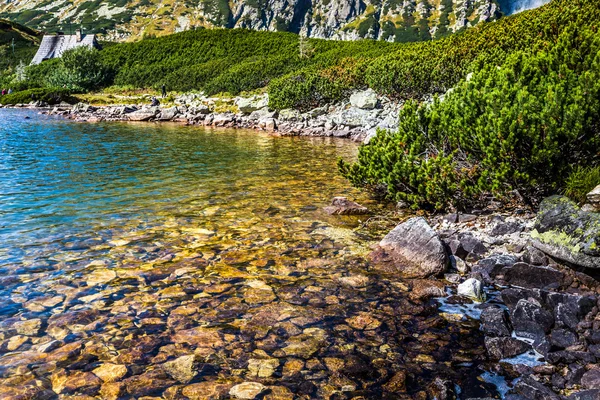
[125, 248]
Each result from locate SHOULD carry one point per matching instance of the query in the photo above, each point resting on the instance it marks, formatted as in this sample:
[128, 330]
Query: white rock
[366, 99]
[473, 289]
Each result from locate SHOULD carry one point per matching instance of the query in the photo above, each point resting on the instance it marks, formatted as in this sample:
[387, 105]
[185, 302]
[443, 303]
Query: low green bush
[522, 126]
[47, 95]
[582, 181]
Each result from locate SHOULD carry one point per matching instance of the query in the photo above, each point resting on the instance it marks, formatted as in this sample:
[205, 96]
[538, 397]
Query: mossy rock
[564, 231]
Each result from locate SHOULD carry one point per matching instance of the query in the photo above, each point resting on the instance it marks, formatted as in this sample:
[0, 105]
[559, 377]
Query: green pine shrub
[523, 125]
[79, 69]
[47, 95]
[582, 181]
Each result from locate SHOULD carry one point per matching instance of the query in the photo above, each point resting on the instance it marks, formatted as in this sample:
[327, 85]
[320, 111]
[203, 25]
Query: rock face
[564, 231]
[337, 19]
[343, 206]
[412, 249]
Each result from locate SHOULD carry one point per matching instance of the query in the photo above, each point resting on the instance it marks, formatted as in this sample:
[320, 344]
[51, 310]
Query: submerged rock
[343, 206]
[247, 390]
[262, 368]
[110, 372]
[412, 249]
[181, 369]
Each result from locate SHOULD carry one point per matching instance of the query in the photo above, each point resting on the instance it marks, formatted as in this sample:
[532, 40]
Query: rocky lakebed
[274, 303]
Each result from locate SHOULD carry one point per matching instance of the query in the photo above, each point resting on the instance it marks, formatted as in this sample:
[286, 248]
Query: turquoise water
[125, 248]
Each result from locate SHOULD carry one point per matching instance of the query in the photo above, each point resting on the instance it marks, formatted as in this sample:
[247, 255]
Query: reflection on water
[178, 262]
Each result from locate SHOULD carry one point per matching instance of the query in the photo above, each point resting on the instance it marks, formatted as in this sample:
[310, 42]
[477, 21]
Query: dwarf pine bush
[523, 125]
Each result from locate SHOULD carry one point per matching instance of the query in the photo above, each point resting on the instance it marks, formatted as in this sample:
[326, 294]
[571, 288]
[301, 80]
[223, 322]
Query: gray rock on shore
[564, 231]
[412, 249]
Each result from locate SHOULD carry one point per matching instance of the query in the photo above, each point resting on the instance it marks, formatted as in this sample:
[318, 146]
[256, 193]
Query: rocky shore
[528, 282]
[358, 119]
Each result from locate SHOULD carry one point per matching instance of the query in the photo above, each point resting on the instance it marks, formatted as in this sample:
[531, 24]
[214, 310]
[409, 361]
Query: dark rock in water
[534, 256]
[562, 338]
[574, 374]
[494, 321]
[412, 249]
[568, 357]
[534, 390]
[591, 379]
[531, 276]
[564, 231]
[595, 350]
[558, 381]
[567, 309]
[511, 296]
[491, 266]
[593, 394]
[343, 206]
[505, 347]
[530, 320]
[506, 228]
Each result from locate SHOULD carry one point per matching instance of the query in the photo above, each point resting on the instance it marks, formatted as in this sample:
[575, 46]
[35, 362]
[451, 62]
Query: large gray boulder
[247, 105]
[167, 114]
[412, 249]
[145, 114]
[564, 231]
[366, 99]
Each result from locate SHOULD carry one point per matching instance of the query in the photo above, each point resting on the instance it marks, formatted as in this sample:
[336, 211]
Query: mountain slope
[392, 20]
[25, 44]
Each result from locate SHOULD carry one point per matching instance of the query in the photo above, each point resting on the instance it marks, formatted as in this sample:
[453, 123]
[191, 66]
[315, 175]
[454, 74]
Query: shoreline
[357, 119]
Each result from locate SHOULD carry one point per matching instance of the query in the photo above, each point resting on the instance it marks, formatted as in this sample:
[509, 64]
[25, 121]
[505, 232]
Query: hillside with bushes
[239, 60]
[25, 42]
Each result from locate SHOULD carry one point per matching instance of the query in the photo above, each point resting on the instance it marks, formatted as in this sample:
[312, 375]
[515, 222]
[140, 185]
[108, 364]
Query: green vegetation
[79, 69]
[233, 61]
[25, 45]
[523, 125]
[50, 96]
[582, 181]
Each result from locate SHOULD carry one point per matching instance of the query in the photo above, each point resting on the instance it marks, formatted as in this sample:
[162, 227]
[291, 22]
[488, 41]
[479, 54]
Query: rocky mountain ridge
[390, 20]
